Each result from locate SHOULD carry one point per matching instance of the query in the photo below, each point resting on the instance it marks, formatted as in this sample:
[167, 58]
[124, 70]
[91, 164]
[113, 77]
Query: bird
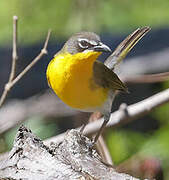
[84, 83]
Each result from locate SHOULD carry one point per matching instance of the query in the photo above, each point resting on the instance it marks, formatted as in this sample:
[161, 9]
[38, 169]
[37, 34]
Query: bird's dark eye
[83, 43]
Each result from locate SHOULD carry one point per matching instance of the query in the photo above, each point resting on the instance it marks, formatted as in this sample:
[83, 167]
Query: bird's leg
[83, 127]
[106, 120]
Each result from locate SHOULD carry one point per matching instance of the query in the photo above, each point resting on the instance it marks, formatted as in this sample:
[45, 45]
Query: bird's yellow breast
[70, 76]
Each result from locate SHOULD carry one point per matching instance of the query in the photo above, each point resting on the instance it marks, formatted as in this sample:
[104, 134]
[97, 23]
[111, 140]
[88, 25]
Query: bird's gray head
[85, 41]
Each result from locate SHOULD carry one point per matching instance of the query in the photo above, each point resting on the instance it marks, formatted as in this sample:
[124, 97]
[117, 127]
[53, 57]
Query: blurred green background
[148, 137]
[65, 17]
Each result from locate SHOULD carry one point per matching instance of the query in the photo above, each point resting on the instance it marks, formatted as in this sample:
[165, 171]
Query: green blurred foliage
[123, 144]
[163, 112]
[158, 144]
[65, 17]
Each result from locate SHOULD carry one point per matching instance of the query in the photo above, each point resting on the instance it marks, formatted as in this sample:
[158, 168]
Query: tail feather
[124, 47]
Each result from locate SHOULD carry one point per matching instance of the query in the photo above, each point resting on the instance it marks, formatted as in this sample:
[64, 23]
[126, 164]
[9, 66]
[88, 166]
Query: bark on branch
[71, 159]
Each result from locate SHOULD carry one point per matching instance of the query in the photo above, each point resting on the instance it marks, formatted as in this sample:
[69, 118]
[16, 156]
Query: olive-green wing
[124, 47]
[106, 78]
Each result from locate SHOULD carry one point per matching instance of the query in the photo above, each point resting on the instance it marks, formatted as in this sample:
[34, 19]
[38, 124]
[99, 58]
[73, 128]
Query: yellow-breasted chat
[83, 82]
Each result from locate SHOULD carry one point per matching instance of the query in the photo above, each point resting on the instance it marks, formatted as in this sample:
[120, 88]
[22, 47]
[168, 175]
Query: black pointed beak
[102, 48]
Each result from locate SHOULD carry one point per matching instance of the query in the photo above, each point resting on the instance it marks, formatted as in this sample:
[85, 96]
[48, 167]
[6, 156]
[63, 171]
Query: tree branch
[124, 115]
[71, 159]
[147, 78]
[150, 63]
[14, 59]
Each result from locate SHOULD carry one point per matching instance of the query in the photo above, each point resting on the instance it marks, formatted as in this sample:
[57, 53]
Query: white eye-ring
[83, 43]
[93, 43]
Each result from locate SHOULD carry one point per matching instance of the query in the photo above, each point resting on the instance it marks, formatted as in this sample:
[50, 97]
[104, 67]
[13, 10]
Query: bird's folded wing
[106, 78]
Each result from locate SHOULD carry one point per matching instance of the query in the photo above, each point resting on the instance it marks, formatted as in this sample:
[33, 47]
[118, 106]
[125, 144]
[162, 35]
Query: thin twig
[34, 61]
[124, 116]
[148, 78]
[14, 53]
[14, 59]
[10, 84]
[104, 151]
[3, 97]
